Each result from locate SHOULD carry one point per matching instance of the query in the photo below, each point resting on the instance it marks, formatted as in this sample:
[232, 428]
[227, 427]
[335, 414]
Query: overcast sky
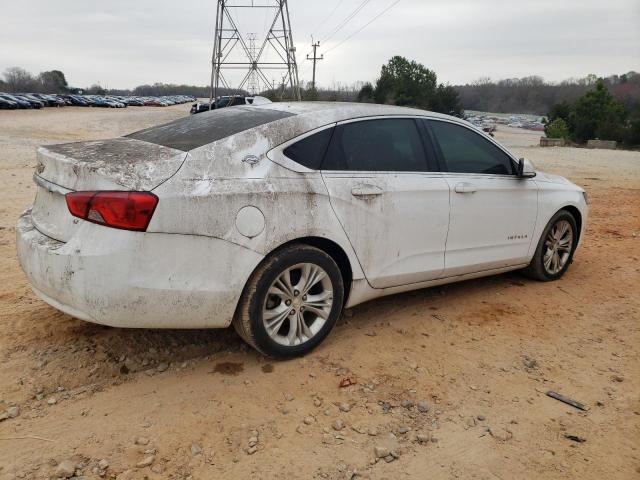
[124, 43]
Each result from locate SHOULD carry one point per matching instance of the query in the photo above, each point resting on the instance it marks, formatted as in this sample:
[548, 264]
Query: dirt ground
[478, 356]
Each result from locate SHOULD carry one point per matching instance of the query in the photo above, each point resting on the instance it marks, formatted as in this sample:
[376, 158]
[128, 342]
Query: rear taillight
[125, 210]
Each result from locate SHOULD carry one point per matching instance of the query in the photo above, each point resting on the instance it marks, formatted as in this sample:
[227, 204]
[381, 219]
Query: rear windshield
[200, 129]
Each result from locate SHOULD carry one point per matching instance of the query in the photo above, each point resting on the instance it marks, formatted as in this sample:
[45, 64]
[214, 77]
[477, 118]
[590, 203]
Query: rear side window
[466, 151]
[197, 130]
[310, 151]
[385, 145]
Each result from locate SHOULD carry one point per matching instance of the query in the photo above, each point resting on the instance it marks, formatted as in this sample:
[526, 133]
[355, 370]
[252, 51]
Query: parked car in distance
[277, 216]
[22, 103]
[6, 104]
[33, 102]
[229, 101]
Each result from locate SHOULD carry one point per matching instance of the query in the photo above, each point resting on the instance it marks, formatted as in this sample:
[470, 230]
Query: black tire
[248, 319]
[536, 268]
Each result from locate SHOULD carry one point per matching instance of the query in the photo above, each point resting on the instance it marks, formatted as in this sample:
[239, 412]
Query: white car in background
[273, 218]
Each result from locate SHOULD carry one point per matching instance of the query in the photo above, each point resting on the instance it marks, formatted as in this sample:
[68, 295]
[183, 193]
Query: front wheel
[291, 302]
[555, 249]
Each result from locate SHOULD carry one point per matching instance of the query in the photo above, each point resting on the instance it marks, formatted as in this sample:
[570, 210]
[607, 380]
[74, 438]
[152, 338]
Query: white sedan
[273, 218]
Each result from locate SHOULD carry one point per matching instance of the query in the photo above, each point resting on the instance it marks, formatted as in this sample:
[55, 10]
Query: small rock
[65, 469]
[423, 437]
[13, 412]
[141, 441]
[308, 420]
[103, 464]
[252, 450]
[529, 362]
[403, 430]
[380, 452]
[253, 441]
[344, 407]
[196, 449]
[52, 401]
[471, 422]
[162, 367]
[126, 475]
[288, 397]
[338, 425]
[327, 412]
[407, 404]
[317, 402]
[389, 458]
[481, 418]
[423, 406]
[4, 416]
[145, 462]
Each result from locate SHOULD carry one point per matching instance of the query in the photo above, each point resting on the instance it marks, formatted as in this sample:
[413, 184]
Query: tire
[259, 305]
[544, 268]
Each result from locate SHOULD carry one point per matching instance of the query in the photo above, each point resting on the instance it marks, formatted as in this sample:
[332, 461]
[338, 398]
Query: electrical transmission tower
[279, 38]
[253, 81]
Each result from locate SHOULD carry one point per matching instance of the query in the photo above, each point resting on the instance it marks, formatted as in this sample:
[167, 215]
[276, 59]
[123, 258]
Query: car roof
[340, 111]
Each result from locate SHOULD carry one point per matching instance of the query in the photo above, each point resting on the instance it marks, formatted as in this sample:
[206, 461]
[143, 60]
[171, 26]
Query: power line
[321, 24]
[342, 24]
[364, 26]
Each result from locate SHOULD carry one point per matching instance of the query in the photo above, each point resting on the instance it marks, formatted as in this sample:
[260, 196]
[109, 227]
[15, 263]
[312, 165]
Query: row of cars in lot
[12, 101]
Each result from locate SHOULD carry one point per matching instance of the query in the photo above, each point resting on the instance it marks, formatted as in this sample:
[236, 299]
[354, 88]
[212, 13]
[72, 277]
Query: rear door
[493, 212]
[391, 203]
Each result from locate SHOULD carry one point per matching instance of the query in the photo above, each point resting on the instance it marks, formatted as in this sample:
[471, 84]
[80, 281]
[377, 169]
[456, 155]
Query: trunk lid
[116, 164]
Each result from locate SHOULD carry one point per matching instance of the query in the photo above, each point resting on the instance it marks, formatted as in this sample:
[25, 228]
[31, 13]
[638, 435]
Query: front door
[493, 212]
[394, 211]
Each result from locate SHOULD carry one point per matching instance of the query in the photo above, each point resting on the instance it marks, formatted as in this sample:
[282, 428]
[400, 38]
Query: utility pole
[315, 59]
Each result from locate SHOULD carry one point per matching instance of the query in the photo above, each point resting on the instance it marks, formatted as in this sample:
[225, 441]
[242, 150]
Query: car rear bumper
[136, 280]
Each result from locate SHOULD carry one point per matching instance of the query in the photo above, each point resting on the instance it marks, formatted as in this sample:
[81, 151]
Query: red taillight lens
[125, 210]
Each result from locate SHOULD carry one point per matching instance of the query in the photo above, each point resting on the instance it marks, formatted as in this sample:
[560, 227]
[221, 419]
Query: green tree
[53, 81]
[597, 114]
[409, 83]
[447, 101]
[365, 95]
[557, 129]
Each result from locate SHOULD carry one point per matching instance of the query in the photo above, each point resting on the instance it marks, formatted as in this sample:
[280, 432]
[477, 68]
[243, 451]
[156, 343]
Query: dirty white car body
[225, 204]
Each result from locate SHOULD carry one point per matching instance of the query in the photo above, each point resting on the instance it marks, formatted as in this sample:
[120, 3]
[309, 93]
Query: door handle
[465, 187]
[366, 191]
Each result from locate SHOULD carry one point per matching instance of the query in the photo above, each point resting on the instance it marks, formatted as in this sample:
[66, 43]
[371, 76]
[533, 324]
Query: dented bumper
[136, 280]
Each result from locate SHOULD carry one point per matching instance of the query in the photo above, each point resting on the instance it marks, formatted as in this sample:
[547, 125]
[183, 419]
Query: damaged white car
[273, 218]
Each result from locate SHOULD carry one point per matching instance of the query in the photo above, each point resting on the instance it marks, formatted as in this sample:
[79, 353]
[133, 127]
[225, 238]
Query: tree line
[536, 96]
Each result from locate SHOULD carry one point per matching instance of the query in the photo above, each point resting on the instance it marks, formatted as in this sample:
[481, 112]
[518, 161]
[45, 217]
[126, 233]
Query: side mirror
[526, 169]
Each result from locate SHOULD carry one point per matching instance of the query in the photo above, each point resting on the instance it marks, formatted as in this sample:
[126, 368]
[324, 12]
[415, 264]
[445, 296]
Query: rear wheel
[555, 249]
[291, 302]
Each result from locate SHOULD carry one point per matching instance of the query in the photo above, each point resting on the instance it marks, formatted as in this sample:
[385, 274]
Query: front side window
[466, 151]
[385, 145]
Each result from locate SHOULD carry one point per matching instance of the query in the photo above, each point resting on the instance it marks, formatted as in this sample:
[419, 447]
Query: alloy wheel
[558, 246]
[298, 304]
